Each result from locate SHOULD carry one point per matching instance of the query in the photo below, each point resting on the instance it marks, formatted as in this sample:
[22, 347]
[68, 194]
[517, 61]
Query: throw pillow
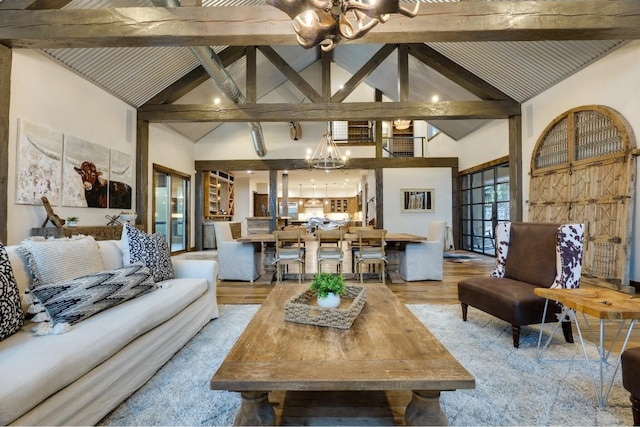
[11, 315]
[69, 302]
[152, 250]
[58, 260]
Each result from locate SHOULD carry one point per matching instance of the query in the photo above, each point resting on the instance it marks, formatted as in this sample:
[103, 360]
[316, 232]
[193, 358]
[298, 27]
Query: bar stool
[329, 248]
[289, 250]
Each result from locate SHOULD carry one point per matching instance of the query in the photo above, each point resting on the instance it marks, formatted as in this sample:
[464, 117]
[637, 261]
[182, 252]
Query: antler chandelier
[326, 22]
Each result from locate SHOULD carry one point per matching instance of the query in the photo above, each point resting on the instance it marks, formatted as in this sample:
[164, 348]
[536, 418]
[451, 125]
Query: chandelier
[327, 155]
[326, 22]
[401, 124]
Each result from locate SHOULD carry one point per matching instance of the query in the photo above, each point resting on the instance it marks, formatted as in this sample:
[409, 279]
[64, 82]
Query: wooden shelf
[218, 194]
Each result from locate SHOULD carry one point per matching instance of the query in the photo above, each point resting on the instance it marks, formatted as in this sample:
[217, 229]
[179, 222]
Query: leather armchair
[423, 260]
[236, 260]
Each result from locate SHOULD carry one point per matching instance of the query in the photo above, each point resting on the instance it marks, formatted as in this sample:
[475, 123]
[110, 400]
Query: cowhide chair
[529, 255]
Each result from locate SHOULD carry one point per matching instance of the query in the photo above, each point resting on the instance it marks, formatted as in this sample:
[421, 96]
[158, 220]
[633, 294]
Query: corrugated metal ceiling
[519, 69]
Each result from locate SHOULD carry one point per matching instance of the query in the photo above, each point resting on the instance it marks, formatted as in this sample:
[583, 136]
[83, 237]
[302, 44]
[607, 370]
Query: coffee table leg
[255, 410]
[424, 409]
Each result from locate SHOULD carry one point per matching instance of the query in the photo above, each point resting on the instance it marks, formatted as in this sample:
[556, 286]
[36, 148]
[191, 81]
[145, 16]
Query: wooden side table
[603, 304]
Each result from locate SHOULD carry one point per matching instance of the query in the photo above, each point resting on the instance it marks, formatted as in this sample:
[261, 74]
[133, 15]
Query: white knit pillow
[58, 260]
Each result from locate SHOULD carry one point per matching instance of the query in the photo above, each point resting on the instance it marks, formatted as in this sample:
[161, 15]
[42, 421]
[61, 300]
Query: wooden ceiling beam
[363, 73]
[264, 25]
[454, 72]
[316, 112]
[354, 163]
[195, 78]
[291, 74]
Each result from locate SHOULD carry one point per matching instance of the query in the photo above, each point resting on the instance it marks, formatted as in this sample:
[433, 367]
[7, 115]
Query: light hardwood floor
[428, 292]
[369, 408]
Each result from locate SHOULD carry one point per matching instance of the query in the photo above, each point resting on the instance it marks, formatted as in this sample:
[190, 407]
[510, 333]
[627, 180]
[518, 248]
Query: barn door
[582, 171]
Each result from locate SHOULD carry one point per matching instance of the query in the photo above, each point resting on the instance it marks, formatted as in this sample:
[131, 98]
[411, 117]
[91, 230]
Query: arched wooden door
[583, 171]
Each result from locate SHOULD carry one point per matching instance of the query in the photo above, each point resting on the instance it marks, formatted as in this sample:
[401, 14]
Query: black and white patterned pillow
[11, 315]
[66, 303]
[152, 250]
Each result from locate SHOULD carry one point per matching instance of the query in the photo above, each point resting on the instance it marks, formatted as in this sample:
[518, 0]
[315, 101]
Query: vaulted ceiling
[459, 50]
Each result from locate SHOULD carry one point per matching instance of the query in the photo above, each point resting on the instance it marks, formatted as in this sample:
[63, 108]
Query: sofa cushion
[34, 368]
[11, 315]
[630, 360]
[152, 250]
[67, 303]
[57, 260]
[532, 253]
[510, 300]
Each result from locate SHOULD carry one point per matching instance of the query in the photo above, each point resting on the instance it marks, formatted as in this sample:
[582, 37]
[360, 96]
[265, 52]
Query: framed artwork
[39, 164]
[417, 199]
[120, 180]
[85, 174]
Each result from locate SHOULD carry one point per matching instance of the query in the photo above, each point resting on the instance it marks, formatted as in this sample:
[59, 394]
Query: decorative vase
[72, 223]
[330, 301]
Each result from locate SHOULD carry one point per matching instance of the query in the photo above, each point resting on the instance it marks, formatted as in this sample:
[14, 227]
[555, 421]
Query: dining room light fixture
[327, 22]
[327, 155]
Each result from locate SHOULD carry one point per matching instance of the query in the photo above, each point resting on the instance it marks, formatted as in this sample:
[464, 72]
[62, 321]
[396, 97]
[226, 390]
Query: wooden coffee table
[387, 348]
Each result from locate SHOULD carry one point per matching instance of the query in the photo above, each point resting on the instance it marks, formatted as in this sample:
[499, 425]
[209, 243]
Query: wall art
[85, 174]
[38, 165]
[417, 199]
[120, 180]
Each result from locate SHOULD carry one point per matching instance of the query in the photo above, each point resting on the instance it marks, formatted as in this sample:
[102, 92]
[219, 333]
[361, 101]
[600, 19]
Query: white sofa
[78, 377]
[423, 260]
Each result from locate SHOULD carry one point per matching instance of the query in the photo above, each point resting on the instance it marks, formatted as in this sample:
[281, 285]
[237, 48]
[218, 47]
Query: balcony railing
[404, 146]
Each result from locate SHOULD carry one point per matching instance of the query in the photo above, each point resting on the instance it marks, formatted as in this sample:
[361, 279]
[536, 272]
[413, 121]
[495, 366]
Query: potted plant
[328, 288]
[72, 221]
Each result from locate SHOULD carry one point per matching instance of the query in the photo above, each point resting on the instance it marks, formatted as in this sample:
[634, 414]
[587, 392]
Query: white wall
[173, 151]
[46, 94]
[613, 82]
[396, 221]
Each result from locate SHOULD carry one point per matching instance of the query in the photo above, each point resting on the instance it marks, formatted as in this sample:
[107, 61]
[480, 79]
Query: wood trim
[483, 166]
[142, 174]
[6, 58]
[403, 73]
[320, 111]
[515, 168]
[252, 75]
[245, 25]
[198, 219]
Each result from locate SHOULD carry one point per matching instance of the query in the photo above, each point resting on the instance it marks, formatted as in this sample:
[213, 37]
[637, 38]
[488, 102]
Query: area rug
[512, 388]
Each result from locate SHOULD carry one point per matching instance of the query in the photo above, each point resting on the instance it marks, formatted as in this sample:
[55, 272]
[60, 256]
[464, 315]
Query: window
[485, 202]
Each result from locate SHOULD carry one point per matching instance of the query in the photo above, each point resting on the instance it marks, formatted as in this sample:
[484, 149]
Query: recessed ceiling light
[435, 98]
[216, 100]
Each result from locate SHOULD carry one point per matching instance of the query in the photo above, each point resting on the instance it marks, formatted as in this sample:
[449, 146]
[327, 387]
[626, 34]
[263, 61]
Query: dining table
[395, 244]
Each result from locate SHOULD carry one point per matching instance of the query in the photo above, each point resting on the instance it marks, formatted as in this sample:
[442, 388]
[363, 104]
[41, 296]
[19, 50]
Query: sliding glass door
[171, 202]
[485, 202]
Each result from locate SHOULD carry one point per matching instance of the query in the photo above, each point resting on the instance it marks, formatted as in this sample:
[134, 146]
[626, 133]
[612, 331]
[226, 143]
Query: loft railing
[404, 146]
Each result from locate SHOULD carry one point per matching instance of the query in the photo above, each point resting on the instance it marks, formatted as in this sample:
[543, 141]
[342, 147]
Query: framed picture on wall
[417, 199]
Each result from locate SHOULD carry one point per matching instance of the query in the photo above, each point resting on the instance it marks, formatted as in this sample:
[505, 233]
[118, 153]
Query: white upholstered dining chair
[423, 260]
[236, 260]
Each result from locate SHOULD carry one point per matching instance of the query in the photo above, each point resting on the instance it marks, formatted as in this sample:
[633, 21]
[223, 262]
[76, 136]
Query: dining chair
[370, 250]
[329, 248]
[354, 230]
[289, 250]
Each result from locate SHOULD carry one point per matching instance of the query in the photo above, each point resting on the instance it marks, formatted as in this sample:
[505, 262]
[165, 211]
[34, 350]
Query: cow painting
[100, 192]
[95, 186]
